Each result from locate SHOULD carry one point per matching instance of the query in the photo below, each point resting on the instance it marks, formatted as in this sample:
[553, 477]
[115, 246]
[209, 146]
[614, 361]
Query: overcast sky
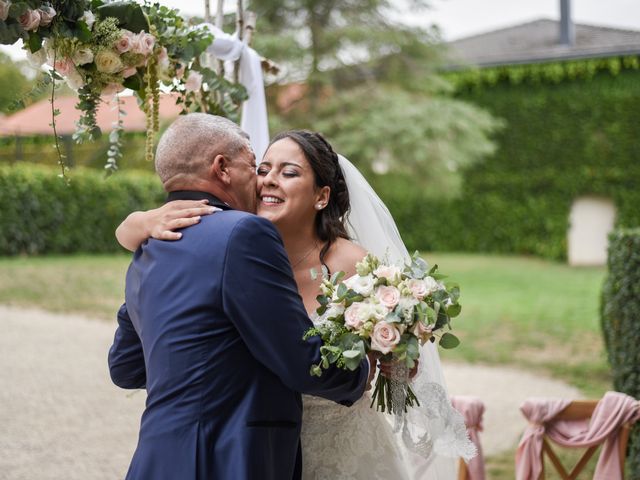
[460, 18]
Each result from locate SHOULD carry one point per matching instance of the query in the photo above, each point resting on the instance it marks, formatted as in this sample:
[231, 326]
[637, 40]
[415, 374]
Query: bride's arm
[161, 222]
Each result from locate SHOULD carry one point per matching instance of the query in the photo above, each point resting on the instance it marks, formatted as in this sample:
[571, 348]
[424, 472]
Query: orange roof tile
[36, 118]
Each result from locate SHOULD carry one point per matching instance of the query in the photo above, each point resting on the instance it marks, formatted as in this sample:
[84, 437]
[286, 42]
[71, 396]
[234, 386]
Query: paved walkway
[62, 418]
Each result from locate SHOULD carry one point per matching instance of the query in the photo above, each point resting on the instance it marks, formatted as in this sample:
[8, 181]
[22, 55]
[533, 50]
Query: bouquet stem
[383, 396]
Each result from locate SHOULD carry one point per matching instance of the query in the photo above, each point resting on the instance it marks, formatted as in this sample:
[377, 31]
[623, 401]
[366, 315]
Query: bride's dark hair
[327, 172]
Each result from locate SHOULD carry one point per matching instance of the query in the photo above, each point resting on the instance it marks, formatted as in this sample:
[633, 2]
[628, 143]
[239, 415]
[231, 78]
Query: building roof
[36, 118]
[539, 41]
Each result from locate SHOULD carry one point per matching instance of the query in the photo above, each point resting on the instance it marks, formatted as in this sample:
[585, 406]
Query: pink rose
[125, 42]
[144, 43]
[388, 296]
[385, 336]
[4, 9]
[422, 332]
[46, 16]
[390, 272]
[129, 72]
[30, 20]
[64, 66]
[418, 288]
[194, 81]
[353, 316]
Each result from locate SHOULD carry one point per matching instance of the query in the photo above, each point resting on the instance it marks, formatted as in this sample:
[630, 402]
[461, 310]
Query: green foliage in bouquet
[388, 310]
[620, 314]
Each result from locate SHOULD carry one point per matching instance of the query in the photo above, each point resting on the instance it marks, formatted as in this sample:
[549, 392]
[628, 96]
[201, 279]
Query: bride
[319, 201]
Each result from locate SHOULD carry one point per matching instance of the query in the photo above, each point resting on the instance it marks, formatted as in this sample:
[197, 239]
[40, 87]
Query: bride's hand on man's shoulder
[162, 222]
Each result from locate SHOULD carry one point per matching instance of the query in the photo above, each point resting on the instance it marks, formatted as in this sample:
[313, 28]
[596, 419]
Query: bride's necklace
[298, 262]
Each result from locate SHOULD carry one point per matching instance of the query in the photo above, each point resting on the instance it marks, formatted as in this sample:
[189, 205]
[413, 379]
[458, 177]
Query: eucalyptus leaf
[449, 341]
[128, 14]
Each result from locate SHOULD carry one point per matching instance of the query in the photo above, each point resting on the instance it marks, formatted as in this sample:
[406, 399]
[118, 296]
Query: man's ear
[219, 169]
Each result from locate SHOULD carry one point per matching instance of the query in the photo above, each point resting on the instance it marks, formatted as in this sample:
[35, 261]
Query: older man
[212, 326]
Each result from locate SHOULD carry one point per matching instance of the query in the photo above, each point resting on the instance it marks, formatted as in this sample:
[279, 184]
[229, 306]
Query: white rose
[388, 296]
[30, 20]
[89, 18]
[82, 56]
[46, 16]
[432, 285]
[108, 61]
[406, 306]
[390, 272]
[74, 79]
[194, 81]
[4, 9]
[385, 336]
[361, 285]
[334, 310]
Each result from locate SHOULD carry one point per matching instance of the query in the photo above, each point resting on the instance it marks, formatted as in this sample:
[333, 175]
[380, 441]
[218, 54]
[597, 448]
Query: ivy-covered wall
[565, 136]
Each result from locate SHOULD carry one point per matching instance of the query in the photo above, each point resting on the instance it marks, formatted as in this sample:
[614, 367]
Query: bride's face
[287, 193]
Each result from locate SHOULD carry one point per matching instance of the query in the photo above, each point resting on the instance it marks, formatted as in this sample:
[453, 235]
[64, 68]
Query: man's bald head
[189, 145]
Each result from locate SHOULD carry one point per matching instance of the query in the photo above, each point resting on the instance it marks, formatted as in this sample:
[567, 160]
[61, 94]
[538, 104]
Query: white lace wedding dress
[357, 442]
[348, 443]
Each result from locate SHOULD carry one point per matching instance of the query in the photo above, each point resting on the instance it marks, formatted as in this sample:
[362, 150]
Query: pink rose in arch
[30, 20]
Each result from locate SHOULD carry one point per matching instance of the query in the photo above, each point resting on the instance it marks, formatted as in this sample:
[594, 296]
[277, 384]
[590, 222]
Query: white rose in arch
[108, 61]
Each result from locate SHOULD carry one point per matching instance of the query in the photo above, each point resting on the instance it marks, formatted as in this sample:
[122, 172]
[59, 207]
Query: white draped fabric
[254, 111]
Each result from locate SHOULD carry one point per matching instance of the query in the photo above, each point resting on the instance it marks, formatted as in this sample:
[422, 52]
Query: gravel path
[62, 418]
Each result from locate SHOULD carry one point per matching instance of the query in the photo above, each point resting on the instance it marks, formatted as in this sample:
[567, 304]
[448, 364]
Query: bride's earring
[319, 206]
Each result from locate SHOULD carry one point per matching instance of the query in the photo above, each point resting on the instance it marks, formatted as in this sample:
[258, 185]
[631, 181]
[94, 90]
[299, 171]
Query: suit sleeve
[260, 296]
[126, 358]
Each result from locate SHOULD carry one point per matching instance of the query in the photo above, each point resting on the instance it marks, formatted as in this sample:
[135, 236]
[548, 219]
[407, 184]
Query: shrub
[620, 314]
[40, 213]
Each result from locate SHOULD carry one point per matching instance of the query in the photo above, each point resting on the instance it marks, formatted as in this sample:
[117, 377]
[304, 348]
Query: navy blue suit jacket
[212, 327]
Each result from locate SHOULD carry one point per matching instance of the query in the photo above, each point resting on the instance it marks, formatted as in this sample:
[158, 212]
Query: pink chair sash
[612, 411]
[472, 410]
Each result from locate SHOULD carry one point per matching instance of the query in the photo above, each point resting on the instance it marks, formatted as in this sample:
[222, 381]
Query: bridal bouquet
[389, 310]
[102, 47]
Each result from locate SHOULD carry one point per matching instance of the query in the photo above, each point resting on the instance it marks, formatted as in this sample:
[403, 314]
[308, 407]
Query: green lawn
[532, 313]
[87, 284]
[516, 310]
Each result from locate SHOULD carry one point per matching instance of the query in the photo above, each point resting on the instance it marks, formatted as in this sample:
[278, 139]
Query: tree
[318, 39]
[373, 85]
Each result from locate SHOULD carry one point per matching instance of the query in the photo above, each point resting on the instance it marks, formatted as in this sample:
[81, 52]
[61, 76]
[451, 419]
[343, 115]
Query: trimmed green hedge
[39, 213]
[620, 314]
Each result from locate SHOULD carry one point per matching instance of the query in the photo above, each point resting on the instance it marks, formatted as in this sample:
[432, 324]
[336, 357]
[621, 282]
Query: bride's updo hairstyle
[327, 172]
